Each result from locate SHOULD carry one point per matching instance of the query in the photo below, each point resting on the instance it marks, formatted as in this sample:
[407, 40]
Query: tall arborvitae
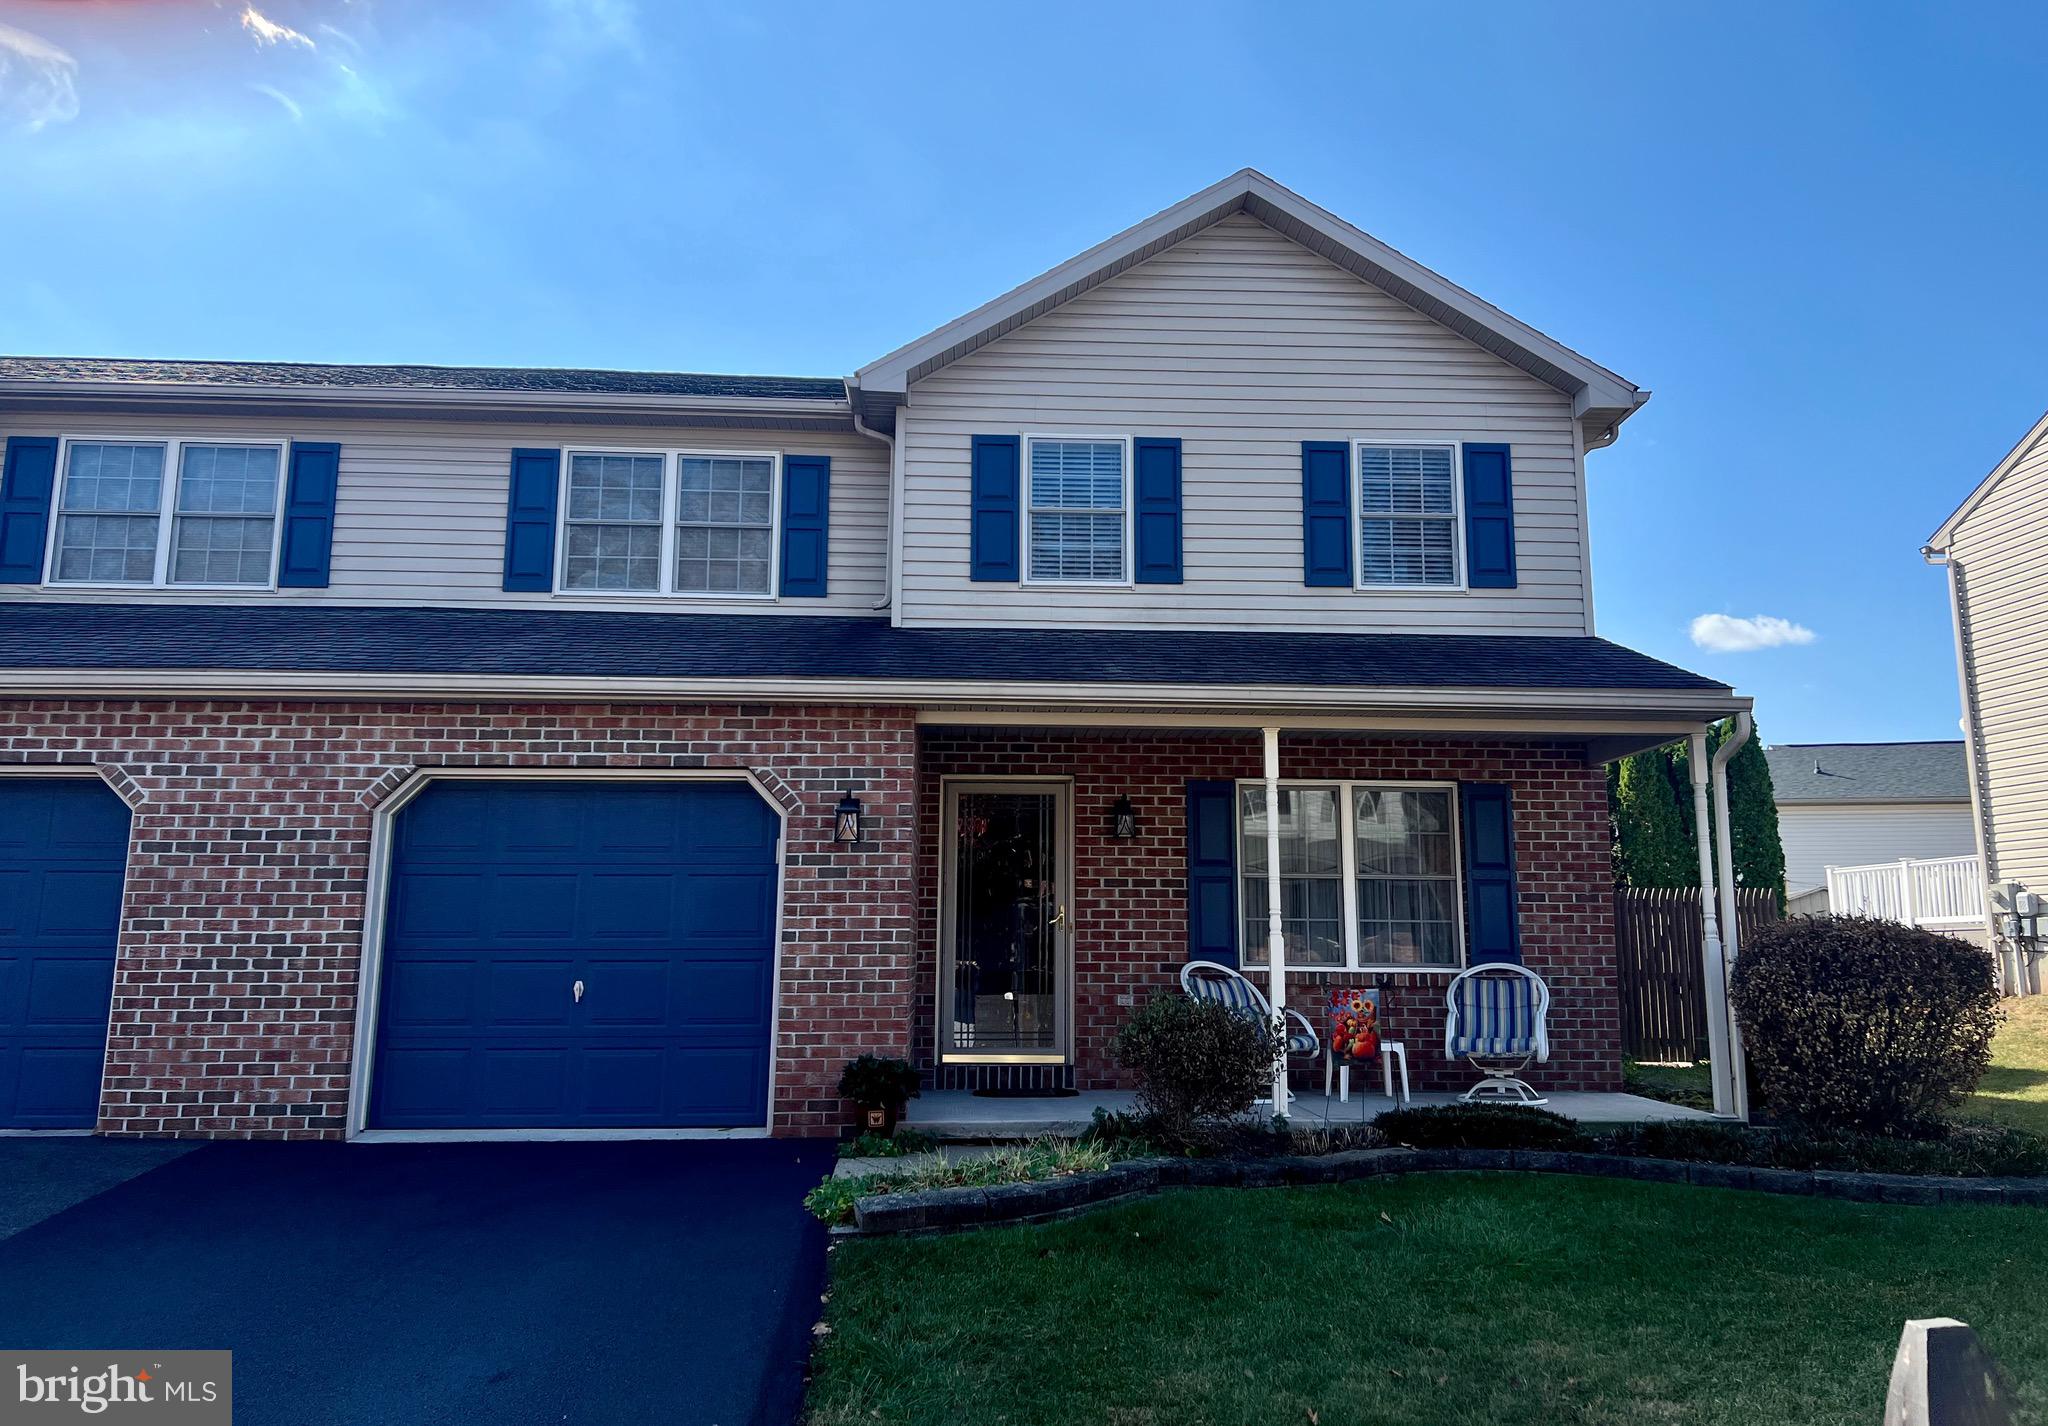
[1753, 819]
[1651, 847]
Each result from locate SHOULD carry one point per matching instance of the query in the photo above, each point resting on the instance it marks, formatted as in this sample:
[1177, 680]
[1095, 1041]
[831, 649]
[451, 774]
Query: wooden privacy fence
[1657, 946]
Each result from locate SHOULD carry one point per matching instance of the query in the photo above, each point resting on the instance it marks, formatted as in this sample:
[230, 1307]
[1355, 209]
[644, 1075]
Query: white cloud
[38, 81]
[268, 32]
[1726, 634]
[289, 104]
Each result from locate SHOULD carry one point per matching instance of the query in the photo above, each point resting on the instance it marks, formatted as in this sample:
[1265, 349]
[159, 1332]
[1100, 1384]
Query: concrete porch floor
[962, 1115]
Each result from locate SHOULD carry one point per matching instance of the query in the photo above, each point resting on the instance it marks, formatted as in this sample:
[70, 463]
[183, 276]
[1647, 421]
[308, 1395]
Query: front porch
[1068, 874]
[962, 1115]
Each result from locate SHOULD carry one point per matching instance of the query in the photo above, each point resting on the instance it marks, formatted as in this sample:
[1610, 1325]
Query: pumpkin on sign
[1355, 1024]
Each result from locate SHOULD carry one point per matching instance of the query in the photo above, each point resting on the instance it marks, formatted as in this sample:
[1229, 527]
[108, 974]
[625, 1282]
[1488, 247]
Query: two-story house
[423, 749]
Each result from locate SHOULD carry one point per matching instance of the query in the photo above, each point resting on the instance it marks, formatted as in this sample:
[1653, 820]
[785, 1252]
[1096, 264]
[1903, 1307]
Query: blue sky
[1815, 232]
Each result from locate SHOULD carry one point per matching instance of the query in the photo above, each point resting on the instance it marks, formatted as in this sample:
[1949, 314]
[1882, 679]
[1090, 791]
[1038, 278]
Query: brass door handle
[1059, 919]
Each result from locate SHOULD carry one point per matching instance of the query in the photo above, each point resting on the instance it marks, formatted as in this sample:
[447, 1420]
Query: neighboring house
[1855, 804]
[1998, 594]
[479, 749]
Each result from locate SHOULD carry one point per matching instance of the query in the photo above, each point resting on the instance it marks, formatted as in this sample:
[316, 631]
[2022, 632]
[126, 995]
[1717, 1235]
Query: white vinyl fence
[1939, 892]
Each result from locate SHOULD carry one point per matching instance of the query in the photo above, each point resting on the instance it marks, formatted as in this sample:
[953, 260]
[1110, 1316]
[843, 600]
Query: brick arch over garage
[244, 916]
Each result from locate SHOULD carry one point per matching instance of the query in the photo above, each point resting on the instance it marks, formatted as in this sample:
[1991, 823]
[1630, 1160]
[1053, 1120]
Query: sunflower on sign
[1355, 1021]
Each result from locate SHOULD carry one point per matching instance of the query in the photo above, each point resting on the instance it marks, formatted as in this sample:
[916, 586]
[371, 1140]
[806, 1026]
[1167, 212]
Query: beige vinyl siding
[2002, 550]
[420, 508]
[1243, 344]
[1817, 836]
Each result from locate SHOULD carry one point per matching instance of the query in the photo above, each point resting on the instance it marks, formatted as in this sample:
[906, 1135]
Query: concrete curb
[944, 1209]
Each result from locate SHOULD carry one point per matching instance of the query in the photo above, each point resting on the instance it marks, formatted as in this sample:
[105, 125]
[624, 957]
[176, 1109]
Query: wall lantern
[1123, 820]
[846, 821]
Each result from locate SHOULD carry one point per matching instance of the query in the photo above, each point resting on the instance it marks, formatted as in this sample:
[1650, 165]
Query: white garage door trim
[377, 889]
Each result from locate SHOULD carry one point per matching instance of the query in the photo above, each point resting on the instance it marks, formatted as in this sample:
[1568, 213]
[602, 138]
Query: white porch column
[1276, 970]
[1710, 957]
[1731, 928]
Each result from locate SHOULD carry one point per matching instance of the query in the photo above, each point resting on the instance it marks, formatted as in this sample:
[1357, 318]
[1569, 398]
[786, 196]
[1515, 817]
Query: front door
[1005, 924]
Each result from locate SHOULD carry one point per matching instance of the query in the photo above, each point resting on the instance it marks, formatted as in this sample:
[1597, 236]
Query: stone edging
[946, 1208]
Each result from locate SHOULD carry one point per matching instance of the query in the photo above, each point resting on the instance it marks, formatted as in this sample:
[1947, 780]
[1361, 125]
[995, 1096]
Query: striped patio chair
[1211, 980]
[1496, 1020]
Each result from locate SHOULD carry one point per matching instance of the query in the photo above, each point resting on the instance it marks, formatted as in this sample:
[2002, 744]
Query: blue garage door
[63, 846]
[578, 955]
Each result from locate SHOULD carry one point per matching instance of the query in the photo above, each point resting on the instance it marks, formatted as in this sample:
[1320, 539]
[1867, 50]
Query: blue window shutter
[25, 488]
[806, 521]
[1326, 513]
[1155, 504]
[1212, 872]
[530, 521]
[1492, 923]
[1489, 516]
[313, 471]
[995, 520]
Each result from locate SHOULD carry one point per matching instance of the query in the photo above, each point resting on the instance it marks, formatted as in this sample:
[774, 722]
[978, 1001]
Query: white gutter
[1616, 704]
[861, 427]
[1737, 1074]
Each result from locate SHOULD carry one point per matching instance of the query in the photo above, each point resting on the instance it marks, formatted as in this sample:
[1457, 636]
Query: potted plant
[879, 1088]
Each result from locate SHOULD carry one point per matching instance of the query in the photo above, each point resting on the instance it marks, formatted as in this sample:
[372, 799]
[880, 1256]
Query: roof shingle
[603, 644]
[565, 380]
[1869, 772]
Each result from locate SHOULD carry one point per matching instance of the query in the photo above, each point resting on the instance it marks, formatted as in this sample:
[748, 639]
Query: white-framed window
[611, 522]
[1369, 876]
[188, 512]
[670, 522]
[725, 524]
[1077, 509]
[1410, 531]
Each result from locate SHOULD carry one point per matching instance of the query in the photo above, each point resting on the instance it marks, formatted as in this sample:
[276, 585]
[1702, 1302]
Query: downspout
[1966, 689]
[1731, 931]
[861, 427]
[1711, 965]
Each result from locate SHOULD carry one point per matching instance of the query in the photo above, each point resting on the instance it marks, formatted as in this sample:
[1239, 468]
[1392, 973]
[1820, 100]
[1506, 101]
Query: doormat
[1026, 1093]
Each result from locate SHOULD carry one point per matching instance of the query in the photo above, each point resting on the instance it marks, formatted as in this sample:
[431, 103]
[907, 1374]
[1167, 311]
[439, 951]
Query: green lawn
[1690, 1085]
[1433, 1299]
[2015, 1089]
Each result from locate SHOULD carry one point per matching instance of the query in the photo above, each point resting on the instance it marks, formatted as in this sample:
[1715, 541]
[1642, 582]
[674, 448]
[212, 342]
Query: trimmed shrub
[1194, 1060]
[1853, 1023]
[1480, 1126]
[1966, 1151]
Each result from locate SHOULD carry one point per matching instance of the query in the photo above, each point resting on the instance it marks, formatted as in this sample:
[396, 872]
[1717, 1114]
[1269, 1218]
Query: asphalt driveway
[671, 1281]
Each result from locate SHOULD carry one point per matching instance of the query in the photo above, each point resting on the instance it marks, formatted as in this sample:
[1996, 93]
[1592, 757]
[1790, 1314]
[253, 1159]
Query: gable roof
[1869, 772]
[1938, 542]
[1600, 399]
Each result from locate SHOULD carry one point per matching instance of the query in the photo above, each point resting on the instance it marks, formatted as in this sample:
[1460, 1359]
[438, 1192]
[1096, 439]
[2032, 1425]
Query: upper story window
[670, 522]
[1368, 876]
[1078, 507]
[1408, 528]
[218, 526]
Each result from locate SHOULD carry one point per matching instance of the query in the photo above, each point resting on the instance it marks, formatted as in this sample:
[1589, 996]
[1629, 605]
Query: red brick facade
[235, 997]
[242, 927]
[1130, 910]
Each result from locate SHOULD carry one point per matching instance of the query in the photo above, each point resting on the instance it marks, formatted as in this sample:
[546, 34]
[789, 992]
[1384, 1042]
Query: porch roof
[68, 647]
